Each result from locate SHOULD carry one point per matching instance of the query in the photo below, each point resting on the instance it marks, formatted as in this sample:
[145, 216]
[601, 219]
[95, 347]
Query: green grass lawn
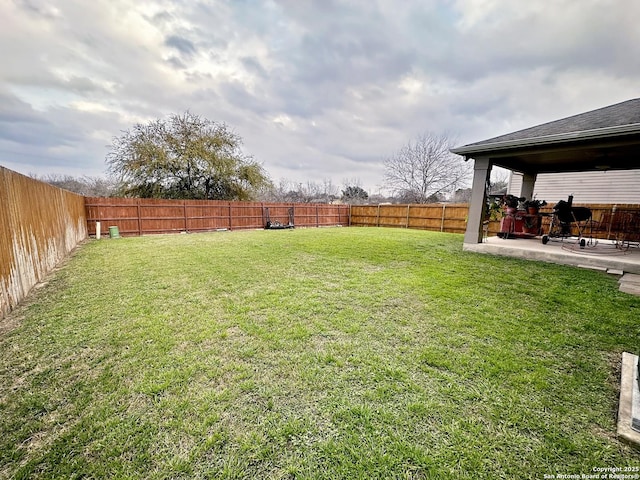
[319, 353]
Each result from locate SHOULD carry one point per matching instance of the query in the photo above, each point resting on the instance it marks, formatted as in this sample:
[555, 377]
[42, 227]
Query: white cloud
[316, 89]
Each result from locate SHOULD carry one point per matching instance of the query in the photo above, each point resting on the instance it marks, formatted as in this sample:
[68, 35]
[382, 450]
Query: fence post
[230, 223]
[139, 218]
[407, 223]
[444, 206]
[378, 217]
[317, 218]
[184, 212]
[613, 213]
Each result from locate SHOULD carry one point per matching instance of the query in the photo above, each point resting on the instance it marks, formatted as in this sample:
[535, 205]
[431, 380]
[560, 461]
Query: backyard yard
[313, 353]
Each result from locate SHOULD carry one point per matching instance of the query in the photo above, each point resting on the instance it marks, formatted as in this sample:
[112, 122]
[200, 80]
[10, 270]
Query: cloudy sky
[322, 89]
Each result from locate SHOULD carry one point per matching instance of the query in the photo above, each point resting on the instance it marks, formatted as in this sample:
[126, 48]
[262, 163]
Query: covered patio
[602, 256]
[604, 139]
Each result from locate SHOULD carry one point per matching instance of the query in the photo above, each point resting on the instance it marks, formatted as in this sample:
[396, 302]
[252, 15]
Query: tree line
[185, 156]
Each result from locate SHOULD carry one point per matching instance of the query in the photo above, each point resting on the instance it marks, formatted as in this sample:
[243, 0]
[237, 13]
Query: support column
[528, 182]
[481, 172]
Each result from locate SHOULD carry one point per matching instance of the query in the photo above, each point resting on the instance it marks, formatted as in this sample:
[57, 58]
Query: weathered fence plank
[39, 225]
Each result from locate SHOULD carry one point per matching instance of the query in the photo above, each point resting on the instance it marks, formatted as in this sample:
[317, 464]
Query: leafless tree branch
[425, 169]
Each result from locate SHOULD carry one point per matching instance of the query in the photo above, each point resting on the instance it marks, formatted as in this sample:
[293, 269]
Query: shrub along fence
[39, 225]
[140, 216]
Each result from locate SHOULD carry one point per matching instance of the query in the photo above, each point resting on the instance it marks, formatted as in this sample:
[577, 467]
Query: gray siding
[614, 186]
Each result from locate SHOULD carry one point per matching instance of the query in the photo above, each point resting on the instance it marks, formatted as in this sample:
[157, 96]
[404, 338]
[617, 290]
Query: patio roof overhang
[614, 148]
[604, 139]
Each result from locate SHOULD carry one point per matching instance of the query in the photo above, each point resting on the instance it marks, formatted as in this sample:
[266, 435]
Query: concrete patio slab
[630, 289]
[602, 255]
[630, 278]
[630, 283]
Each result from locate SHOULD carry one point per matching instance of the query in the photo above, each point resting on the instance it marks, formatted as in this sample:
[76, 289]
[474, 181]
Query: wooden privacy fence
[453, 217]
[606, 220]
[450, 217]
[39, 226]
[140, 216]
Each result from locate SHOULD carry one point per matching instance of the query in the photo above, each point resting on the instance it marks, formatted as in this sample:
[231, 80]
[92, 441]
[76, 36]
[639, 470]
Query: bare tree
[329, 191]
[425, 169]
[498, 182]
[274, 192]
[462, 195]
[300, 192]
[87, 186]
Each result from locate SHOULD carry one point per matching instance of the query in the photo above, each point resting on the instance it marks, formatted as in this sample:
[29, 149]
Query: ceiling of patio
[614, 154]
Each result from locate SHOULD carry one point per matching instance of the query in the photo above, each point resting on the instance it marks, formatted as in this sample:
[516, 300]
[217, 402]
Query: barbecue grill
[566, 219]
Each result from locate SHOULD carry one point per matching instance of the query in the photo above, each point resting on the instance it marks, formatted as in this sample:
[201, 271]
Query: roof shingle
[624, 113]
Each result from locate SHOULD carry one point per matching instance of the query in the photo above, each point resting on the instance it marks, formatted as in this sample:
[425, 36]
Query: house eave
[468, 151]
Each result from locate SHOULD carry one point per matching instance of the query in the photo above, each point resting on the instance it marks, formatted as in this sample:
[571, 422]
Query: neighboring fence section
[39, 226]
[606, 218]
[614, 222]
[140, 216]
[438, 217]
